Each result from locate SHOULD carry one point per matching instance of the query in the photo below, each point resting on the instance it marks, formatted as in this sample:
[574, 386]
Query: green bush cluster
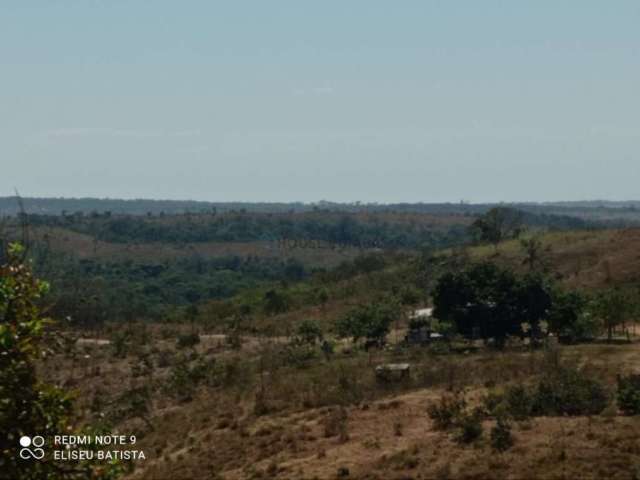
[564, 391]
[501, 438]
[450, 412]
[628, 397]
[188, 340]
[569, 392]
[446, 411]
[299, 356]
[469, 427]
[187, 374]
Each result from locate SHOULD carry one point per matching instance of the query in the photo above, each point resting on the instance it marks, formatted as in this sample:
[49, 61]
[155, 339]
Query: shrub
[628, 397]
[336, 424]
[327, 348]
[561, 391]
[184, 379]
[234, 340]
[518, 402]
[569, 391]
[120, 344]
[165, 358]
[439, 348]
[501, 438]
[188, 340]
[493, 403]
[371, 322]
[470, 428]
[343, 472]
[261, 406]
[397, 428]
[299, 355]
[308, 332]
[446, 411]
[134, 403]
[350, 385]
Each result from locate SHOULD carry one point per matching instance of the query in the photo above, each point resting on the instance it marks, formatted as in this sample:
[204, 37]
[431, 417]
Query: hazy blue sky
[339, 100]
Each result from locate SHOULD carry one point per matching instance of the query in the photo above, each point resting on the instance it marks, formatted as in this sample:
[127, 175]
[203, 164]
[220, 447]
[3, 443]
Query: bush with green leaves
[519, 402]
[469, 427]
[188, 340]
[298, 355]
[308, 332]
[450, 412]
[569, 391]
[628, 396]
[275, 302]
[134, 403]
[183, 380]
[120, 343]
[328, 348]
[446, 412]
[562, 391]
[371, 322]
[501, 438]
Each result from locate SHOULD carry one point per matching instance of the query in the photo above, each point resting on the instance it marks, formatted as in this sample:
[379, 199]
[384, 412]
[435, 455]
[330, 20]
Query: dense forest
[337, 228]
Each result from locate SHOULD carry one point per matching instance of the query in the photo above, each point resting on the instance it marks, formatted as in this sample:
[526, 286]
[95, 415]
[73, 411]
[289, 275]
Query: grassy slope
[589, 259]
[389, 435]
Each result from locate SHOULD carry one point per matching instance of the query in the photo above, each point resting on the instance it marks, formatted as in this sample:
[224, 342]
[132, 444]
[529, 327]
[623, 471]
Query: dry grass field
[85, 246]
[332, 419]
[590, 259]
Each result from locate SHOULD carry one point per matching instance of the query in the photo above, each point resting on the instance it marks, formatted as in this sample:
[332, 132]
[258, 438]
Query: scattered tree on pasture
[497, 225]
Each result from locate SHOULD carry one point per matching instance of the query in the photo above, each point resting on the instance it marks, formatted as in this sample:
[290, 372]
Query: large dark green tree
[488, 301]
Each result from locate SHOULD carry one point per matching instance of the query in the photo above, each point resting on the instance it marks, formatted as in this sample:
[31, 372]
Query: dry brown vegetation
[590, 259]
[85, 246]
[332, 419]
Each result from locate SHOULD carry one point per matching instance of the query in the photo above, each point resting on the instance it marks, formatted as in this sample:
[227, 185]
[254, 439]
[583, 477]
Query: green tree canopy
[492, 302]
[612, 307]
[371, 322]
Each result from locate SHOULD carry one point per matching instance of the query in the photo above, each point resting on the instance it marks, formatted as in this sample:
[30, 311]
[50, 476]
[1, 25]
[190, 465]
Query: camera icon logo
[36, 452]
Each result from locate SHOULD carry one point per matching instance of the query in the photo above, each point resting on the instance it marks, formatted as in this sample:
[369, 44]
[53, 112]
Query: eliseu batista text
[99, 440]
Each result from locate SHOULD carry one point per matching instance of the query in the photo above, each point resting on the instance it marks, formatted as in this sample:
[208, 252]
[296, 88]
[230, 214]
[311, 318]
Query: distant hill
[58, 206]
[622, 213]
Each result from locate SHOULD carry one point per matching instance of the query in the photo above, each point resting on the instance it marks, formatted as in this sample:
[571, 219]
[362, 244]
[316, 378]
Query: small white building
[422, 334]
[422, 313]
